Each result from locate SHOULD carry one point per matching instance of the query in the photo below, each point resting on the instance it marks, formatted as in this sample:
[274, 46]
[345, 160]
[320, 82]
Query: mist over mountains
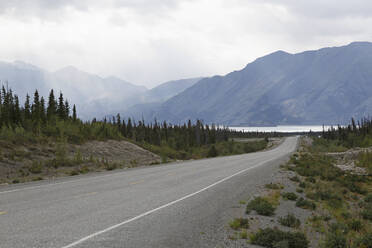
[326, 86]
[94, 96]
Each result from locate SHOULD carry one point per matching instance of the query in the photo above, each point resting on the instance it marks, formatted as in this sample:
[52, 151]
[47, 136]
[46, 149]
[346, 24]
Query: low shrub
[336, 240]
[365, 241]
[355, 225]
[238, 223]
[302, 185]
[367, 212]
[111, 166]
[212, 152]
[306, 204]
[352, 183]
[289, 196]
[289, 220]
[312, 165]
[310, 180]
[261, 206]
[294, 179]
[273, 186]
[299, 190]
[368, 198]
[36, 167]
[272, 238]
[243, 234]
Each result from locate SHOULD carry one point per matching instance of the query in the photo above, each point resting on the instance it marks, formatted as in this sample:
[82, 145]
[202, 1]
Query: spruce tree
[27, 109]
[61, 107]
[35, 109]
[17, 111]
[74, 116]
[42, 110]
[118, 121]
[67, 110]
[52, 105]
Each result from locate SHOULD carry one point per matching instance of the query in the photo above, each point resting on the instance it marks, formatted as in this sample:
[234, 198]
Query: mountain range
[93, 95]
[325, 86]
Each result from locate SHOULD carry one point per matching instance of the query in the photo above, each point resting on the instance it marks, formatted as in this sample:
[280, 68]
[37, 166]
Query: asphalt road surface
[171, 205]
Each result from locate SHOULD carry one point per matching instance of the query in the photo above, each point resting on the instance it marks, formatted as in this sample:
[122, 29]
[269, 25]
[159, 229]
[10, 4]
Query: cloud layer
[151, 41]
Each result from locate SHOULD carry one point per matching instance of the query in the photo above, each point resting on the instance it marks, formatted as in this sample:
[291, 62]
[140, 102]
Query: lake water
[283, 129]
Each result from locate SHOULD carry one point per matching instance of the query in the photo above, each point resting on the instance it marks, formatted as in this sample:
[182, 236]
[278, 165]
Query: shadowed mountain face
[329, 85]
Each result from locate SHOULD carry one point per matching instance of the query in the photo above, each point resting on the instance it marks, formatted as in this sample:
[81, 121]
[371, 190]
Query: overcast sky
[151, 41]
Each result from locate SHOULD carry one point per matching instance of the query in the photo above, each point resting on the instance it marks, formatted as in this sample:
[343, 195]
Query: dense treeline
[37, 119]
[34, 116]
[355, 134]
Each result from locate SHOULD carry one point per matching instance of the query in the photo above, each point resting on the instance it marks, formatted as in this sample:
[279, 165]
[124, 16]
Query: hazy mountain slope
[97, 96]
[325, 86]
[94, 96]
[169, 89]
[156, 96]
[23, 78]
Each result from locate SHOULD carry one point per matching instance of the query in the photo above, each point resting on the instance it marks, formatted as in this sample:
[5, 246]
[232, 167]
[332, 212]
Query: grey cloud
[328, 9]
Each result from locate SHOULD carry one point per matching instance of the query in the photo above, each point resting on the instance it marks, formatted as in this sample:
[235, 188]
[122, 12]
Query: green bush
[299, 190]
[273, 238]
[336, 235]
[239, 223]
[365, 241]
[212, 152]
[289, 220]
[289, 196]
[311, 179]
[294, 179]
[254, 146]
[335, 240]
[355, 225]
[302, 185]
[367, 212]
[368, 198]
[312, 165]
[36, 167]
[273, 186]
[306, 204]
[352, 182]
[261, 206]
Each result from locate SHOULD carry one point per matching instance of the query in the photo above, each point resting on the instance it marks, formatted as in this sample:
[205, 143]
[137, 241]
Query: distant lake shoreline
[284, 128]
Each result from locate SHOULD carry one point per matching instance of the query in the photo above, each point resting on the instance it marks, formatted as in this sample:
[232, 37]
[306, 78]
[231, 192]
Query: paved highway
[173, 205]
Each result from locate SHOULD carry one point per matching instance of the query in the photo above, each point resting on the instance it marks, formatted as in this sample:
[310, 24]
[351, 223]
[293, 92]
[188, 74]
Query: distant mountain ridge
[325, 86]
[94, 96]
[328, 86]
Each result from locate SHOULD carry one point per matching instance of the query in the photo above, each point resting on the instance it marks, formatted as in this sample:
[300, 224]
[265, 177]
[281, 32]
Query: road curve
[171, 205]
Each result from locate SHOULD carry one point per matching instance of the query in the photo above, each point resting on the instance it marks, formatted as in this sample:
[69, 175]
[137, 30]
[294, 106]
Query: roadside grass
[224, 148]
[323, 145]
[289, 196]
[345, 197]
[274, 186]
[272, 237]
[305, 204]
[239, 223]
[290, 221]
[262, 206]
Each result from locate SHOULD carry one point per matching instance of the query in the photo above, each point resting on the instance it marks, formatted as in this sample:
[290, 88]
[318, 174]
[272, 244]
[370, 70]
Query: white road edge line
[161, 207]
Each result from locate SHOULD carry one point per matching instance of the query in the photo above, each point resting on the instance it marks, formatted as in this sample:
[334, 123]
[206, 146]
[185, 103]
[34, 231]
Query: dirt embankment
[20, 163]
